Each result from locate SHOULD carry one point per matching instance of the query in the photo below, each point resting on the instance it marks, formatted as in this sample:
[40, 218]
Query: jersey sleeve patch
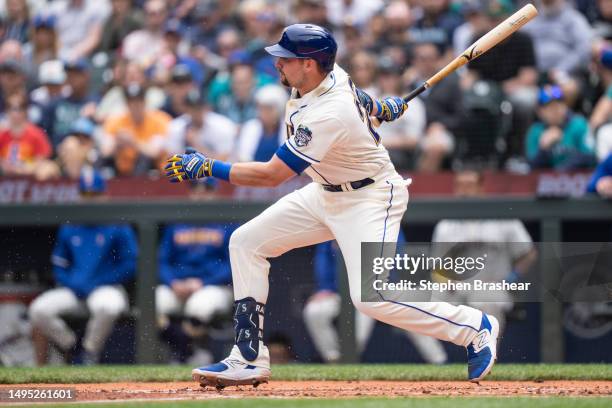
[295, 162]
[303, 136]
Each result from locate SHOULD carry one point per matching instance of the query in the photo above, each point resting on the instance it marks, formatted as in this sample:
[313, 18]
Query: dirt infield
[328, 389]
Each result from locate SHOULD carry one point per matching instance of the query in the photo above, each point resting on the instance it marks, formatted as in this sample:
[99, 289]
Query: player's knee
[239, 239]
[39, 312]
[108, 309]
[316, 311]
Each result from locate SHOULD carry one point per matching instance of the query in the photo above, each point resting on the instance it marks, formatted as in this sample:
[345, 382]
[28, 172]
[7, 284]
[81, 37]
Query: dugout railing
[148, 216]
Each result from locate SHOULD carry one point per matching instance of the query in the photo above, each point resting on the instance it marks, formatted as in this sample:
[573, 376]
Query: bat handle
[416, 92]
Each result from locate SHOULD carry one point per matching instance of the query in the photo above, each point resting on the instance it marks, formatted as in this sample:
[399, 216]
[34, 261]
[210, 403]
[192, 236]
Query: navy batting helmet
[307, 41]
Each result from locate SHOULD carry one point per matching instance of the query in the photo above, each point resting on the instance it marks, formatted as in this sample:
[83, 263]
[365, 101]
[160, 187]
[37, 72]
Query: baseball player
[356, 196]
[90, 264]
[194, 271]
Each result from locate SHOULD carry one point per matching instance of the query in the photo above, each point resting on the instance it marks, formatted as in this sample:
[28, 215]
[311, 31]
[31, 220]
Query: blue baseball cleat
[482, 352]
[235, 370]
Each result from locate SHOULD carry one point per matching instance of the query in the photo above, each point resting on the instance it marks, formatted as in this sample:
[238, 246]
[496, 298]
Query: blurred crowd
[121, 84]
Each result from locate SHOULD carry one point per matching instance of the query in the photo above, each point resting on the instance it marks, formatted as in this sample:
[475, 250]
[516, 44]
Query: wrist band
[221, 170]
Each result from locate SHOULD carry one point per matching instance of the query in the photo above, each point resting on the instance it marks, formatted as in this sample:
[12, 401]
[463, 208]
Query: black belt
[355, 185]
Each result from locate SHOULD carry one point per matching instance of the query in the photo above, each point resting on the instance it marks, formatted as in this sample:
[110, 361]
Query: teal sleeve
[609, 92]
[532, 141]
[579, 128]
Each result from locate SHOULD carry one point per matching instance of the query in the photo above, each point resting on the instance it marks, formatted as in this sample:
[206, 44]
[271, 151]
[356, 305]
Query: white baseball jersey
[329, 129]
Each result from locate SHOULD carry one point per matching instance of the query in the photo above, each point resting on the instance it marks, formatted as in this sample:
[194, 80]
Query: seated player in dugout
[356, 196]
[91, 263]
[193, 295]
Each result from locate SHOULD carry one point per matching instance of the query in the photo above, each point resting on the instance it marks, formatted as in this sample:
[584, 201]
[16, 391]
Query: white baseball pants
[203, 304]
[320, 313]
[312, 215]
[105, 305]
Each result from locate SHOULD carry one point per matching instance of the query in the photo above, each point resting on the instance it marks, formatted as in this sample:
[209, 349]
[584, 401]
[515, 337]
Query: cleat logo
[481, 340]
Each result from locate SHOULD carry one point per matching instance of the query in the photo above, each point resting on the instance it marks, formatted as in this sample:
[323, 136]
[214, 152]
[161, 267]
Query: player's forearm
[254, 174]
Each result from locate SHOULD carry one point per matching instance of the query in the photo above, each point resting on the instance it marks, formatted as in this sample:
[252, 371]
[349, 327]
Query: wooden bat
[497, 34]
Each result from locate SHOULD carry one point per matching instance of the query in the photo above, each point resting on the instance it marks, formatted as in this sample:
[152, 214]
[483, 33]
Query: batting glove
[391, 108]
[388, 109]
[189, 166]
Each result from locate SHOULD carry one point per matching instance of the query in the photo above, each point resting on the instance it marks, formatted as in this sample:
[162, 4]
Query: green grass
[414, 372]
[431, 402]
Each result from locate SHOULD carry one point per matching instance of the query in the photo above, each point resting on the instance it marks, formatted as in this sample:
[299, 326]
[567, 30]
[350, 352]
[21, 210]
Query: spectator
[181, 82]
[52, 80]
[397, 19]
[193, 295]
[233, 95]
[176, 53]
[602, 24]
[79, 26]
[442, 106]
[17, 21]
[137, 137]
[511, 65]
[401, 137]
[602, 112]
[475, 22]
[113, 102]
[12, 80]
[43, 44]
[601, 182]
[560, 139]
[208, 15]
[350, 42]
[77, 150]
[312, 11]
[362, 69]
[562, 38]
[206, 131]
[90, 264]
[122, 21]
[437, 23]
[24, 148]
[358, 12]
[260, 137]
[146, 45]
[61, 113]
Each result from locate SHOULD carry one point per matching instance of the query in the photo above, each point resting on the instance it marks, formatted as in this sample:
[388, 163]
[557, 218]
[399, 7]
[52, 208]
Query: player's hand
[392, 108]
[189, 166]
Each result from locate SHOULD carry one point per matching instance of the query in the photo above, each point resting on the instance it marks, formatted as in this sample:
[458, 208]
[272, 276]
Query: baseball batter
[356, 196]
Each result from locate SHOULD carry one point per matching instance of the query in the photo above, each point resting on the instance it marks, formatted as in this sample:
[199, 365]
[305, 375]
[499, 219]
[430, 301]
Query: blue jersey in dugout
[89, 256]
[196, 251]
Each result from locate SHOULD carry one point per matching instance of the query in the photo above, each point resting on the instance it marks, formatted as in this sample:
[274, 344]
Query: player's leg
[292, 222]
[319, 315]
[45, 312]
[379, 213]
[169, 309]
[105, 305]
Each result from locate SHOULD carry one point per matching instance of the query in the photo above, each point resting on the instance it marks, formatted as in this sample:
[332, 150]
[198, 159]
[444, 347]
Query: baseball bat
[496, 35]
